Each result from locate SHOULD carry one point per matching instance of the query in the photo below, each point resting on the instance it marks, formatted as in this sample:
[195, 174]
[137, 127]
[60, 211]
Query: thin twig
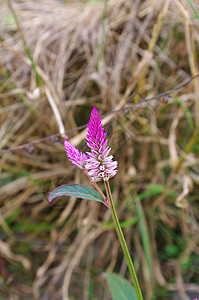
[128, 107]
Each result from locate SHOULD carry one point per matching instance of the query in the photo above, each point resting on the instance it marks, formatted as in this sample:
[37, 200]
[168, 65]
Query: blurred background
[59, 59]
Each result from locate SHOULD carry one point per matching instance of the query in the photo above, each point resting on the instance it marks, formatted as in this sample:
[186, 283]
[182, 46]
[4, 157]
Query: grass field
[59, 59]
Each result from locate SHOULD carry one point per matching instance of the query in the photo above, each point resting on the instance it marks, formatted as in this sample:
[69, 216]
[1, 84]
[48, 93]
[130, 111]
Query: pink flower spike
[95, 135]
[76, 157]
[99, 164]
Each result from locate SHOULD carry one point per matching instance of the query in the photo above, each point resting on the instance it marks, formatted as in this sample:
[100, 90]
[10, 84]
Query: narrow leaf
[120, 288]
[75, 190]
[144, 236]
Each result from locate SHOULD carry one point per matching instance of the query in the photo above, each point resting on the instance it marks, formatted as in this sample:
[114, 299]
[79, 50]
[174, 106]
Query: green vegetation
[57, 63]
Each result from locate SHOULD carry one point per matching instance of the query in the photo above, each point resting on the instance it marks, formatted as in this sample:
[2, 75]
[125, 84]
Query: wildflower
[76, 157]
[99, 164]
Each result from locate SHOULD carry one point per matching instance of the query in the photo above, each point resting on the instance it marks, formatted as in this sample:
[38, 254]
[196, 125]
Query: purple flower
[76, 157]
[99, 164]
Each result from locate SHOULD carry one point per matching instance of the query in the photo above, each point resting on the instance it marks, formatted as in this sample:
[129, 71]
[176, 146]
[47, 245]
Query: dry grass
[91, 55]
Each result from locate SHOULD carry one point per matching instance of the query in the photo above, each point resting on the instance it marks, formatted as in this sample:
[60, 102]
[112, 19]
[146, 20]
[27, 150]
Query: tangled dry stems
[140, 48]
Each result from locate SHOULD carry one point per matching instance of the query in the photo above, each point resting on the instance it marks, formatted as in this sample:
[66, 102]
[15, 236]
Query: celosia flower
[99, 164]
[76, 157]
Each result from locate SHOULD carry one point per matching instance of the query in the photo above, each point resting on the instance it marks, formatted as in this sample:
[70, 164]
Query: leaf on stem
[75, 190]
[120, 288]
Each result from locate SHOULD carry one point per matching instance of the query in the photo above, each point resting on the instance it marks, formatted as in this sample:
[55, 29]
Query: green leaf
[9, 20]
[75, 190]
[194, 9]
[144, 235]
[120, 288]
[152, 190]
[186, 111]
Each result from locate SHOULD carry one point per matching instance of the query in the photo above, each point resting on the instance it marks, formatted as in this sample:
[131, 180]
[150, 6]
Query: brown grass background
[105, 54]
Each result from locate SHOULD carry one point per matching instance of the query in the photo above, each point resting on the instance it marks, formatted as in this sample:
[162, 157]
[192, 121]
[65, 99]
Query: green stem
[96, 187]
[123, 242]
[28, 52]
[191, 143]
[100, 192]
